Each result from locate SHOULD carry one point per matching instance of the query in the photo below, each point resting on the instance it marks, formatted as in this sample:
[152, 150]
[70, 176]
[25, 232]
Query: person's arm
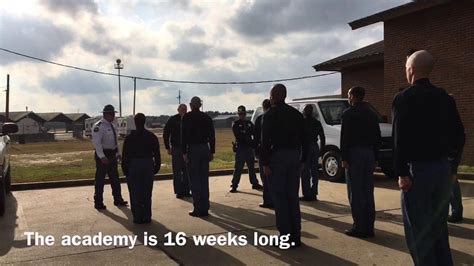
[184, 134]
[125, 156]
[304, 138]
[458, 136]
[167, 133]
[97, 135]
[258, 134]
[266, 142]
[235, 130]
[345, 137]
[212, 136]
[156, 154]
[399, 114]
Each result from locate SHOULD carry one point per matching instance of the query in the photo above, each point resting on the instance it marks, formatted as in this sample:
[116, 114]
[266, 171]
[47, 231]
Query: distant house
[224, 121]
[28, 122]
[443, 27]
[77, 120]
[55, 121]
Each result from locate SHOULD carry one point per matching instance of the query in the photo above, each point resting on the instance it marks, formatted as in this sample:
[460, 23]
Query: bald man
[283, 139]
[172, 139]
[426, 129]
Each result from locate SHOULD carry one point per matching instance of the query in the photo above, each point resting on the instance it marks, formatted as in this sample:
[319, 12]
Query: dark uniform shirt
[140, 144]
[258, 134]
[198, 129]
[314, 129]
[426, 125]
[172, 132]
[244, 133]
[283, 128]
[360, 128]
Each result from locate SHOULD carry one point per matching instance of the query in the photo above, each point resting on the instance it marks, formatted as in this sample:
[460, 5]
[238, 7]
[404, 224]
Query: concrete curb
[90, 182]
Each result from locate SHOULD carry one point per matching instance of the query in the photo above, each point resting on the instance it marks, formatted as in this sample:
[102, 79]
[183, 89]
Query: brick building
[444, 28]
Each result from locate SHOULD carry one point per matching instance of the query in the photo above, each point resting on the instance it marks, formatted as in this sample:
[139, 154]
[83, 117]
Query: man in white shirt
[107, 155]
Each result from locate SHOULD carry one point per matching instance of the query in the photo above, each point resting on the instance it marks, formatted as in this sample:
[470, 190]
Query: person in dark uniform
[283, 153]
[141, 161]
[309, 176]
[244, 133]
[267, 195]
[456, 198]
[107, 155]
[360, 142]
[172, 131]
[199, 144]
[426, 128]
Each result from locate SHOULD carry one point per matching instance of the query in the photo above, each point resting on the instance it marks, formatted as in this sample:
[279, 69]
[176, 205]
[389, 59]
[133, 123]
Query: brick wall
[371, 77]
[447, 32]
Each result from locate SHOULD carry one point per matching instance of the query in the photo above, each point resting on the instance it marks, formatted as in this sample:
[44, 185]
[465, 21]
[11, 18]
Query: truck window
[296, 106]
[332, 111]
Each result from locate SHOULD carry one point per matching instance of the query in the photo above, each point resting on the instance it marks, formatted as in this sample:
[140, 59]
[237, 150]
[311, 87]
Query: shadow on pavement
[205, 255]
[237, 219]
[8, 226]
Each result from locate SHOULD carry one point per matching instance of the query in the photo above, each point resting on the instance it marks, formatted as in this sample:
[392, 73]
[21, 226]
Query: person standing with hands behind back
[360, 142]
[141, 161]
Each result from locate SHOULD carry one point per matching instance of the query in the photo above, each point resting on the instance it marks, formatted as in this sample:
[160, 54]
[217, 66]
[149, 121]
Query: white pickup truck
[328, 110]
[5, 178]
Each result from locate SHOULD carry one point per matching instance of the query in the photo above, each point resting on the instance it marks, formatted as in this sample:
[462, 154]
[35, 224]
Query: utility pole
[179, 97]
[134, 93]
[119, 66]
[7, 103]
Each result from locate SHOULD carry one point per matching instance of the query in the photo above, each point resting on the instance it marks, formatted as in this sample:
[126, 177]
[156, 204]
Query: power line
[166, 80]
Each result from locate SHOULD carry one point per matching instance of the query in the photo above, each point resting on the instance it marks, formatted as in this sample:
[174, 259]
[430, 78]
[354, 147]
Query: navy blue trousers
[198, 155]
[244, 155]
[456, 200]
[425, 211]
[285, 166]
[140, 185]
[360, 188]
[180, 172]
[101, 171]
[267, 193]
[309, 176]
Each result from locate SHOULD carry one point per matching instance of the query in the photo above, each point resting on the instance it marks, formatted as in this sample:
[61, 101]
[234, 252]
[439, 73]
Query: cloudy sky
[226, 40]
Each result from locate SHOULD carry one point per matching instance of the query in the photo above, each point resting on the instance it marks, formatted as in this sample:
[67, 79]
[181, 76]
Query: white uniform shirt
[103, 137]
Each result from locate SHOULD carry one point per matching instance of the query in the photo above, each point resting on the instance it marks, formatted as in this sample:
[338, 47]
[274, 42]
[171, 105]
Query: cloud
[264, 20]
[71, 7]
[190, 52]
[74, 82]
[31, 36]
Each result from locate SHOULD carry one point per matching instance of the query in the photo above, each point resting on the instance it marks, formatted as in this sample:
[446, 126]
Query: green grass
[466, 169]
[67, 160]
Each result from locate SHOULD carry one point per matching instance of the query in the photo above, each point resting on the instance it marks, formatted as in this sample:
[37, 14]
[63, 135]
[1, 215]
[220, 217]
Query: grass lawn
[65, 160]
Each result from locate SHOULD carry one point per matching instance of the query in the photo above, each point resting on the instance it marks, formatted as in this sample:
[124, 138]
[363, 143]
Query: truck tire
[8, 182]
[332, 166]
[2, 198]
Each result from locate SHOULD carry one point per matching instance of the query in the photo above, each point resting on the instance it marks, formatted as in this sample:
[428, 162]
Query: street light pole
[119, 66]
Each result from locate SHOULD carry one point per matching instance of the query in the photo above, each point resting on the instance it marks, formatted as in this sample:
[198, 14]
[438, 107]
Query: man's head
[355, 95]
[278, 94]
[195, 103]
[266, 104]
[419, 65]
[182, 109]
[241, 112]
[308, 110]
[140, 120]
[109, 112]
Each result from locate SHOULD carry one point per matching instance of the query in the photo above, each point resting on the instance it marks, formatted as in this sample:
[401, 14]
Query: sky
[197, 40]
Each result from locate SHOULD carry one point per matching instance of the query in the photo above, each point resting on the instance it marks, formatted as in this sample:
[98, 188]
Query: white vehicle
[89, 123]
[328, 110]
[125, 125]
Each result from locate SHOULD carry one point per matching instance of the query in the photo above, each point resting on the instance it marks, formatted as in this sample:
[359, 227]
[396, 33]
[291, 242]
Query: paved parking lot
[69, 211]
